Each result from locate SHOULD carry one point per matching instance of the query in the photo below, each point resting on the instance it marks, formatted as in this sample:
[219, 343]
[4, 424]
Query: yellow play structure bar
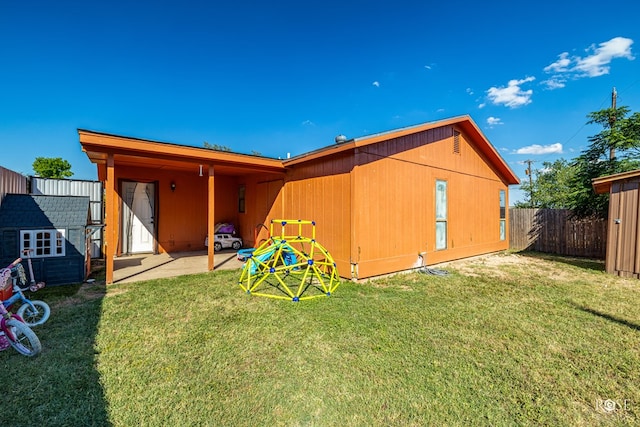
[283, 268]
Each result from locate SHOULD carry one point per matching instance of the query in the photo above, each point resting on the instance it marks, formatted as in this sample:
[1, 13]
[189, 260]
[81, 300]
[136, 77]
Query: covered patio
[186, 191]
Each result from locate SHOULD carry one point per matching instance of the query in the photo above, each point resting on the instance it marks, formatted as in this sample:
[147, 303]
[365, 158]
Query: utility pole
[529, 172]
[612, 120]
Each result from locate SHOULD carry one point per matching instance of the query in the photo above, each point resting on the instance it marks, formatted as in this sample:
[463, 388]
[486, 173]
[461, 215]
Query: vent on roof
[341, 139]
[456, 142]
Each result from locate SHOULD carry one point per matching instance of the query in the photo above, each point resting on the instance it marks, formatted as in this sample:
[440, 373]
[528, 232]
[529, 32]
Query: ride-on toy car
[223, 241]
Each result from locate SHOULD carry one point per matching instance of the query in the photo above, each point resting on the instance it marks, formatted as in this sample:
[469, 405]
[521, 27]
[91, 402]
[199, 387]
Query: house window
[241, 191]
[441, 215]
[503, 215]
[43, 243]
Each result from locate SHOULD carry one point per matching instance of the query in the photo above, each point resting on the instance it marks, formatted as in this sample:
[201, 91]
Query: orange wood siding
[263, 202]
[320, 191]
[395, 202]
[182, 214]
[375, 205]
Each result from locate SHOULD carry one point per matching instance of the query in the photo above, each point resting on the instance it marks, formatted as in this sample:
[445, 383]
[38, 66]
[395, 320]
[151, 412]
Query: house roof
[138, 152]
[603, 184]
[29, 211]
[465, 123]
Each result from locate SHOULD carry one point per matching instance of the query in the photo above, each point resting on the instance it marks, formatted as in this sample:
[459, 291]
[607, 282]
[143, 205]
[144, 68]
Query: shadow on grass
[61, 386]
[606, 316]
[586, 263]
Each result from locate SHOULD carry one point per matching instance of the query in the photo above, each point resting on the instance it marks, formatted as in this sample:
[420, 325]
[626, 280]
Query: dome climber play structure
[289, 265]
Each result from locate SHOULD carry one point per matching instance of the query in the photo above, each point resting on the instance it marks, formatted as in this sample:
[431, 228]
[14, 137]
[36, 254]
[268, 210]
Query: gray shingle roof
[28, 211]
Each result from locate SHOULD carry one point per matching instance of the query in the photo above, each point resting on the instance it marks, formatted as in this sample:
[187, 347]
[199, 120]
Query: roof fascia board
[603, 184]
[113, 144]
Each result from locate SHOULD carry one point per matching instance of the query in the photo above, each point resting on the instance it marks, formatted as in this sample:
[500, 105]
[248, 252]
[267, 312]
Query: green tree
[615, 149]
[52, 167]
[563, 184]
[551, 186]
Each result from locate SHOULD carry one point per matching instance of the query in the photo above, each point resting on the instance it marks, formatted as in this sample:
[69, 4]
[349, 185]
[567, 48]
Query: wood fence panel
[554, 231]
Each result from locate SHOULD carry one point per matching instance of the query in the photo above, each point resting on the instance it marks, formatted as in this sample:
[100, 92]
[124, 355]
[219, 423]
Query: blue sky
[284, 77]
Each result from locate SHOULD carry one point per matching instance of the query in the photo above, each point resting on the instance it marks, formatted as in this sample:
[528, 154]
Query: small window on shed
[42, 243]
[456, 142]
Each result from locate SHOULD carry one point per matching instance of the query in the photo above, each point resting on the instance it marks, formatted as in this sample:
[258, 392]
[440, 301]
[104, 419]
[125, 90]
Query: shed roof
[603, 184]
[29, 211]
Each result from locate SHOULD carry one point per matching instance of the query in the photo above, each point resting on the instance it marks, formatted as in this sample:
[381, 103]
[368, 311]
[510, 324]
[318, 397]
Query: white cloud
[470, 91]
[555, 82]
[541, 149]
[308, 123]
[560, 66]
[376, 83]
[492, 121]
[597, 63]
[512, 95]
[428, 67]
[481, 106]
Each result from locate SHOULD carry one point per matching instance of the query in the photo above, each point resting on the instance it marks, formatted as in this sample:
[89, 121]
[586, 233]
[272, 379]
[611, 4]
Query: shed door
[138, 214]
[624, 220]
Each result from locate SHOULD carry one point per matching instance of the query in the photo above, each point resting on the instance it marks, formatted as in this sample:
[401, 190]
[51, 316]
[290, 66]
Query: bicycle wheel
[36, 315]
[22, 338]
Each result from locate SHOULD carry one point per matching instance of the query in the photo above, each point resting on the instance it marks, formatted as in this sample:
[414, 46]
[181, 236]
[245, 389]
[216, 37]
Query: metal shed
[623, 239]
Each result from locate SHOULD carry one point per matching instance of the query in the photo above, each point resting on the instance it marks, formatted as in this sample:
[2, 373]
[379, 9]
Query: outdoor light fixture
[173, 186]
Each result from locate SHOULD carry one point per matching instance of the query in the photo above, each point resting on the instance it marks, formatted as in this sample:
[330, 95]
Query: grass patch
[503, 340]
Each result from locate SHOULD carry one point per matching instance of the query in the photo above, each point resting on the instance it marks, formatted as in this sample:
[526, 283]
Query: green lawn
[519, 339]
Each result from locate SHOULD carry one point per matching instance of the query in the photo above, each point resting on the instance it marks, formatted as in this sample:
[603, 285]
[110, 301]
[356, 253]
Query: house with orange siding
[383, 203]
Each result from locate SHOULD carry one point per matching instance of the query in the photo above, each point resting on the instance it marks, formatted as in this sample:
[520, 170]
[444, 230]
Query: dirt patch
[493, 264]
[561, 269]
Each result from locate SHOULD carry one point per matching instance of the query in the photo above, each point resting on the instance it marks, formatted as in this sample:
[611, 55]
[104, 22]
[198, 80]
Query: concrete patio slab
[135, 268]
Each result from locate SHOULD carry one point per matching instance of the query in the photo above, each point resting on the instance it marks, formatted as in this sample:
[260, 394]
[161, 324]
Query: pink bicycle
[12, 328]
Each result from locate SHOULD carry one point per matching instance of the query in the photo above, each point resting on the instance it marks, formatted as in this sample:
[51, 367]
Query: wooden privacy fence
[553, 231]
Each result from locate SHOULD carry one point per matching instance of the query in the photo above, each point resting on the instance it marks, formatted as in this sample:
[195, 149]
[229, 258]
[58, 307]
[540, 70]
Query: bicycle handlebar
[16, 262]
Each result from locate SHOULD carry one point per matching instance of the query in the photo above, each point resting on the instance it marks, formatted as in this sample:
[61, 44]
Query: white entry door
[139, 217]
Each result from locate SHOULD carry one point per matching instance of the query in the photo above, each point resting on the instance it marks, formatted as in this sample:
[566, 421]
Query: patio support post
[211, 224]
[110, 219]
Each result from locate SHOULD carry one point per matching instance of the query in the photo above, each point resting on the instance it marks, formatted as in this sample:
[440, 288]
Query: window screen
[441, 215]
